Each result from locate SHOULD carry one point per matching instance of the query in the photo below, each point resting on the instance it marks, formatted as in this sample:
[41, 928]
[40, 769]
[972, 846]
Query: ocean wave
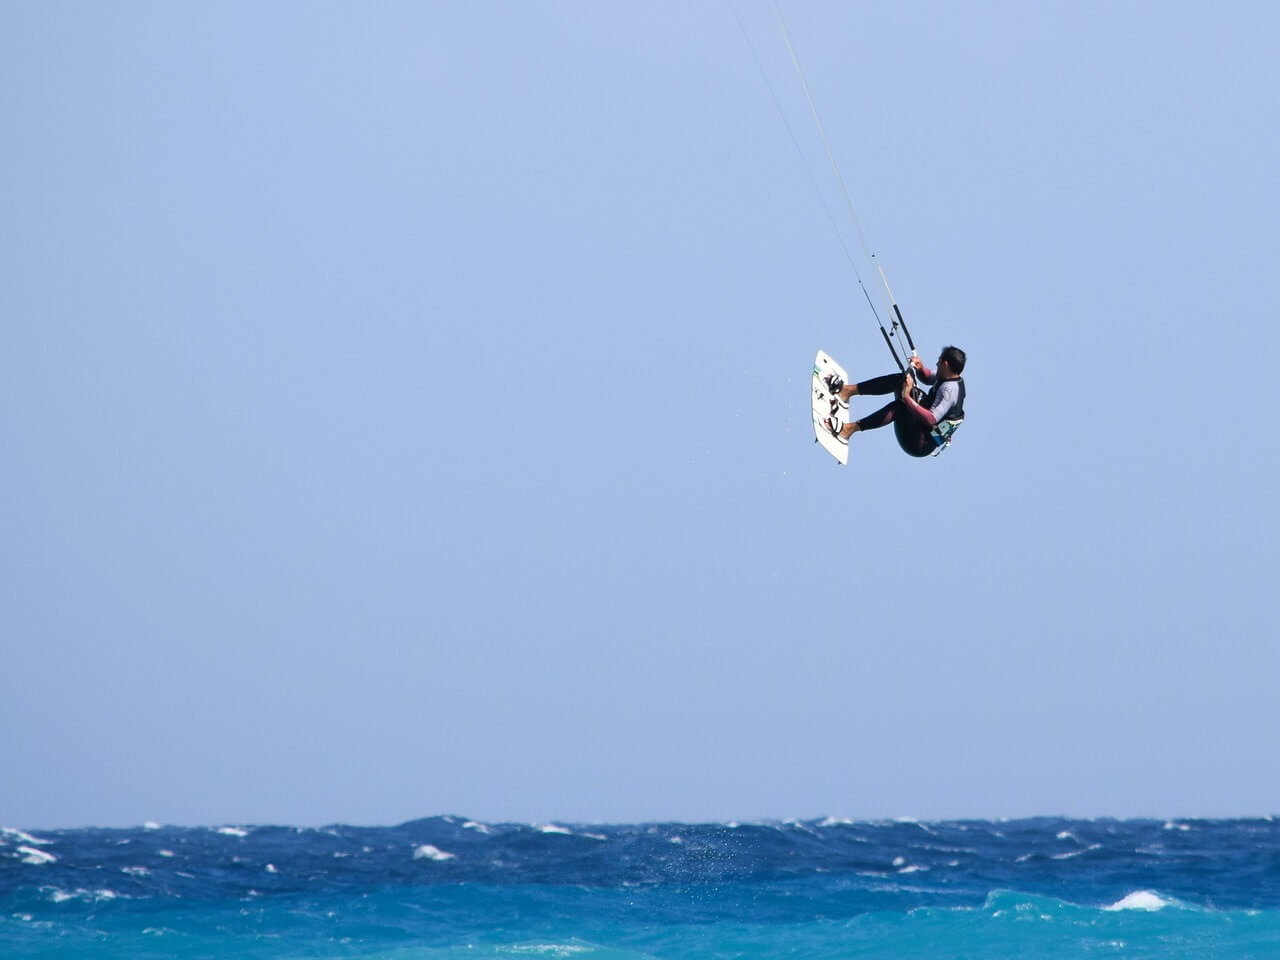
[23, 837]
[1007, 902]
[861, 866]
[827, 822]
[429, 852]
[549, 949]
[58, 895]
[443, 890]
[1070, 854]
[1142, 900]
[36, 857]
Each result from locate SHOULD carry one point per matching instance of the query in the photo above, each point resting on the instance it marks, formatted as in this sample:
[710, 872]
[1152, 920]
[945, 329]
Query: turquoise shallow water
[446, 887]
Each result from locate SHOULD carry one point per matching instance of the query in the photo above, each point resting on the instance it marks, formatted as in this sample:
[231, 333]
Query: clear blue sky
[404, 411]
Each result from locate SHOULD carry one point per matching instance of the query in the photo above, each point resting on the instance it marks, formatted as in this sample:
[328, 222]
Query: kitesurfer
[919, 425]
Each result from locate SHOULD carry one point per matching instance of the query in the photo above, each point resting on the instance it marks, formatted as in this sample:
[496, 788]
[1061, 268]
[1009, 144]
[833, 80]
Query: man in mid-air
[920, 426]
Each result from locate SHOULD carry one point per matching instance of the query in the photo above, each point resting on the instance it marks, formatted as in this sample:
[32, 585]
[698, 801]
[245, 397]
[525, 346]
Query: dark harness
[948, 425]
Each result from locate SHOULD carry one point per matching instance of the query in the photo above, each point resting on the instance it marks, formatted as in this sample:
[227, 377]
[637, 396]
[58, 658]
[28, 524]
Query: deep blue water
[445, 887]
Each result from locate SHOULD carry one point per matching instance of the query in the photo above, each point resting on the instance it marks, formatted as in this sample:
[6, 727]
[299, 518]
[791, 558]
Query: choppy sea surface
[447, 887]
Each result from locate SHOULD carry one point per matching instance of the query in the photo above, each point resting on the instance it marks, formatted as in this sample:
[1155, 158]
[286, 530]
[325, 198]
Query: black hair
[954, 357]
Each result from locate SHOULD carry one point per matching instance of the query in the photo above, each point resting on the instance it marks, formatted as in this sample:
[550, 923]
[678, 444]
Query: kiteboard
[824, 366]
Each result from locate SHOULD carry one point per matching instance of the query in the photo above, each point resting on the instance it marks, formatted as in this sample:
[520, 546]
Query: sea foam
[36, 857]
[1075, 853]
[86, 896]
[1140, 900]
[23, 837]
[430, 852]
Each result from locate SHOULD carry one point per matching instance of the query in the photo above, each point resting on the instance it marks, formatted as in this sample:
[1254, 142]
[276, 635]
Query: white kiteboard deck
[824, 366]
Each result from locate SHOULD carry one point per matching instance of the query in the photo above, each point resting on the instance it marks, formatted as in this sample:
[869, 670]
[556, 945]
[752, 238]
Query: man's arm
[925, 416]
[942, 404]
[925, 375]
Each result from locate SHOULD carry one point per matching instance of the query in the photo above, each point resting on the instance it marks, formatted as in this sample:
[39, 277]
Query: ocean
[447, 887]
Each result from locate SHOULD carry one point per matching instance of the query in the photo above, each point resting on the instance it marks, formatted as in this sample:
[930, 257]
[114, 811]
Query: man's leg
[873, 421]
[875, 387]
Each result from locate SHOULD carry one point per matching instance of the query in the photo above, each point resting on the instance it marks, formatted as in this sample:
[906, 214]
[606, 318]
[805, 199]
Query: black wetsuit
[914, 435]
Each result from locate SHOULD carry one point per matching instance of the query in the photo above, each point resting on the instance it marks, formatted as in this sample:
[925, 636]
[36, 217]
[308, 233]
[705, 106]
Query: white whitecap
[88, 896]
[36, 857]
[233, 831]
[912, 868]
[1173, 825]
[476, 825]
[554, 828]
[136, 871]
[550, 949]
[914, 822]
[430, 852]
[167, 853]
[836, 822]
[899, 861]
[24, 837]
[271, 868]
[1066, 835]
[151, 825]
[1075, 853]
[1140, 900]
